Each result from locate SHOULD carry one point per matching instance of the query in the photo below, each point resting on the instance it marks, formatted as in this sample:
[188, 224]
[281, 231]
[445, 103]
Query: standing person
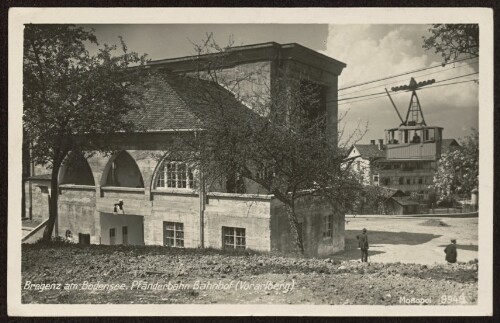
[451, 252]
[363, 245]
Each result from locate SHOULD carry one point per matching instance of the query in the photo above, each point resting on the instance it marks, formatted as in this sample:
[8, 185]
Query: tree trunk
[53, 210]
[230, 182]
[295, 227]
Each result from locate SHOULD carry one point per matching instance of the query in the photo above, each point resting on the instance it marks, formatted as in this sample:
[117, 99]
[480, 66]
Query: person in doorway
[416, 138]
[451, 252]
[363, 245]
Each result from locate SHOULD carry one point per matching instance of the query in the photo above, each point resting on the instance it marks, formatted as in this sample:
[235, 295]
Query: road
[419, 240]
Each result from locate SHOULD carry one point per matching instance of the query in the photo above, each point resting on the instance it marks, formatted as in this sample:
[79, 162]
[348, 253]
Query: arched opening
[175, 174]
[124, 172]
[76, 170]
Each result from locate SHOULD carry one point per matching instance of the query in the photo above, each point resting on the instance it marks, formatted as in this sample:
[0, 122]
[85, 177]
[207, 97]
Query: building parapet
[77, 187]
[121, 189]
[241, 196]
[174, 191]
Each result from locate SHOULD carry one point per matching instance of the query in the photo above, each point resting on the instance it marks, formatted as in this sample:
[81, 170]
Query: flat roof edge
[250, 47]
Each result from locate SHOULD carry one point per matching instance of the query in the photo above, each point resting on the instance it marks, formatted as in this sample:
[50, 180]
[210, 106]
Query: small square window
[328, 226]
[173, 234]
[233, 238]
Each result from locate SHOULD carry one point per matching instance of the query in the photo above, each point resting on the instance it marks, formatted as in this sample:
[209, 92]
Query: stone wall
[81, 212]
[82, 208]
[169, 206]
[39, 201]
[246, 211]
[329, 80]
[310, 212]
[76, 207]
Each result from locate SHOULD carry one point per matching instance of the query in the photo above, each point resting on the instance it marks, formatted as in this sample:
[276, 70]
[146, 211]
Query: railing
[31, 237]
[454, 210]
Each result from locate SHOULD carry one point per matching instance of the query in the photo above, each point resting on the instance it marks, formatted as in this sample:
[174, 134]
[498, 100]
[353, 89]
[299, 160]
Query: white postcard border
[20, 16]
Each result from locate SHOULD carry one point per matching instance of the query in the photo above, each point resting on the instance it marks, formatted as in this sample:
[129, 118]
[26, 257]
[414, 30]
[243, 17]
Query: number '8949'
[453, 299]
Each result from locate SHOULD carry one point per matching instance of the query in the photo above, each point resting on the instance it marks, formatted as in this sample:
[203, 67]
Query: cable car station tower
[413, 139]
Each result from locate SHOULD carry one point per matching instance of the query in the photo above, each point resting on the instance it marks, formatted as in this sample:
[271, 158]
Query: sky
[370, 51]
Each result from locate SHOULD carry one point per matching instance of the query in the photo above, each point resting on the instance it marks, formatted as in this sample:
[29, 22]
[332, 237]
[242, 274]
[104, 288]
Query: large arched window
[124, 172]
[76, 170]
[175, 174]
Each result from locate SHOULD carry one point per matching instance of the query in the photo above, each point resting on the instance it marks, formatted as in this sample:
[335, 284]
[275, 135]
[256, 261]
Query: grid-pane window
[175, 175]
[328, 226]
[181, 175]
[173, 233]
[234, 238]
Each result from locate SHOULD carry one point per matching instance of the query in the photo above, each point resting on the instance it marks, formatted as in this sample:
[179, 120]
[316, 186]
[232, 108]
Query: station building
[141, 196]
[407, 158]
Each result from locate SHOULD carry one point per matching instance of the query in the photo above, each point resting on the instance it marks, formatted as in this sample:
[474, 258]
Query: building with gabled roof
[412, 176]
[141, 195]
[448, 145]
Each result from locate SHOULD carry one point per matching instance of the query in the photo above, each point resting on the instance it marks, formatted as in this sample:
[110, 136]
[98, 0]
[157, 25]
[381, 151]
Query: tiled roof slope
[163, 108]
[446, 144]
[387, 192]
[370, 151]
[391, 192]
[173, 102]
[202, 96]
[405, 201]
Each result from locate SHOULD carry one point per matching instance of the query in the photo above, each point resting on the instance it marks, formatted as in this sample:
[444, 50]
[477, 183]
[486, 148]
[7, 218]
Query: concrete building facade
[380, 166]
[140, 196]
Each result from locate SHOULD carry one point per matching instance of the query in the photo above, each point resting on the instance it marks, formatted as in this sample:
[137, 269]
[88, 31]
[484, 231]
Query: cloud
[376, 51]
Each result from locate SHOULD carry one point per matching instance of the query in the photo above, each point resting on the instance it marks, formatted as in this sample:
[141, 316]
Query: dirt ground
[419, 240]
[74, 274]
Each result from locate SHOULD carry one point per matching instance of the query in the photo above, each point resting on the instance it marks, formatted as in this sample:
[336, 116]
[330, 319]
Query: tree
[453, 40]
[458, 170]
[280, 142]
[74, 101]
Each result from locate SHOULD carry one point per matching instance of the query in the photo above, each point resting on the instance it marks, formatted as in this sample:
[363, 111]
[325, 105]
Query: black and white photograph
[334, 161]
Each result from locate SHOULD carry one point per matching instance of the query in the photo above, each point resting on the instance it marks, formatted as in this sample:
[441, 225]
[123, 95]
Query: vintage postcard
[304, 162]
